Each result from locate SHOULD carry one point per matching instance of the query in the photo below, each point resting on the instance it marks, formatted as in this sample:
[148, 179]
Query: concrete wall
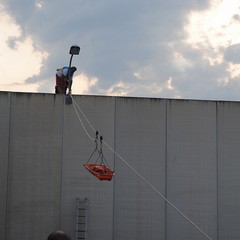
[139, 212]
[187, 150]
[192, 168]
[34, 159]
[228, 170]
[4, 158]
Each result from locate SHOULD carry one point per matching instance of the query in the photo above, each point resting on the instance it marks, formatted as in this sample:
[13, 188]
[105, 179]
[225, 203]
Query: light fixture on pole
[74, 50]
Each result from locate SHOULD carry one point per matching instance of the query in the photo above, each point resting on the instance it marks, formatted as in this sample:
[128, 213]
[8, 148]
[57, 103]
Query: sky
[137, 48]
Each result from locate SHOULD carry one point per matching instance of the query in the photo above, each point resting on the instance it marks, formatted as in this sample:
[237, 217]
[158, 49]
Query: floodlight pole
[69, 75]
[74, 50]
[70, 62]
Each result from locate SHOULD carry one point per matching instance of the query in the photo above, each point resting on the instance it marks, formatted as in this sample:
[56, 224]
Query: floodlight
[74, 50]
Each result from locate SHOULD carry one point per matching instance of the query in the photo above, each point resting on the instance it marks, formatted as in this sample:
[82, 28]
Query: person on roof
[64, 79]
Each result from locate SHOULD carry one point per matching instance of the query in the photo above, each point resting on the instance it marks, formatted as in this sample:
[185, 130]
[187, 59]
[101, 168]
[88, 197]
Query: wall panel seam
[114, 163]
[8, 166]
[217, 156]
[61, 164]
[166, 166]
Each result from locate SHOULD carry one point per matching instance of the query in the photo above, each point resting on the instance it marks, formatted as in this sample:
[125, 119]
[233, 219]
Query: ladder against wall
[81, 219]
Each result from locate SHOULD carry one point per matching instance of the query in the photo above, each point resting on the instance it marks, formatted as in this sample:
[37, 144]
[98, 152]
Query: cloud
[83, 83]
[231, 53]
[164, 49]
[19, 59]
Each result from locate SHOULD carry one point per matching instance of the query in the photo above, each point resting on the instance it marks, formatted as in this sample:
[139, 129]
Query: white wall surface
[187, 150]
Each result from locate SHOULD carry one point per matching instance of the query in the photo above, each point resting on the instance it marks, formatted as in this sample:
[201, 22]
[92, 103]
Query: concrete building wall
[139, 212]
[186, 150]
[76, 181]
[4, 156]
[34, 175]
[228, 170]
[191, 168]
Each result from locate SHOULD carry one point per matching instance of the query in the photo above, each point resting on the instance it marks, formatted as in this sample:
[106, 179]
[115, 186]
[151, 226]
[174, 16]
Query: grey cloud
[12, 42]
[236, 18]
[232, 53]
[118, 38]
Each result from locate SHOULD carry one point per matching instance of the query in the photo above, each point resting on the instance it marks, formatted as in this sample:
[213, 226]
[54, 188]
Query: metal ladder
[81, 219]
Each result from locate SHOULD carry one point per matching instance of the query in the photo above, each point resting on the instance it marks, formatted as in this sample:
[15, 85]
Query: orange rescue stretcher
[100, 168]
[100, 171]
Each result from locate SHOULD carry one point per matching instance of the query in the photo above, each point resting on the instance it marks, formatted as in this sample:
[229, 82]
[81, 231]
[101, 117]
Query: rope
[83, 114]
[81, 120]
[138, 174]
[158, 192]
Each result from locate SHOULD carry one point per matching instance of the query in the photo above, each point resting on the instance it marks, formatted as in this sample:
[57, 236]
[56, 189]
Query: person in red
[64, 79]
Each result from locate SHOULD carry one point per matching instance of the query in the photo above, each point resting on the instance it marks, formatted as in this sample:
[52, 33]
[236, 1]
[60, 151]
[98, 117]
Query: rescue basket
[100, 169]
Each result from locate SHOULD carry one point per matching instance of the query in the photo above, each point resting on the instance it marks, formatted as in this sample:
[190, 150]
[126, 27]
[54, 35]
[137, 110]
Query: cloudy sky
[186, 49]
